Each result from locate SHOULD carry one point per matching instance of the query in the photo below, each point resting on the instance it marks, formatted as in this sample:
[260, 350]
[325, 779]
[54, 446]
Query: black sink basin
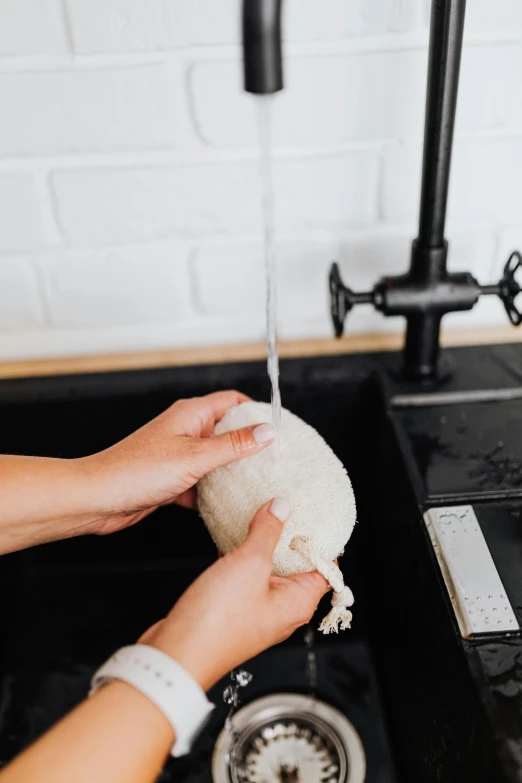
[423, 700]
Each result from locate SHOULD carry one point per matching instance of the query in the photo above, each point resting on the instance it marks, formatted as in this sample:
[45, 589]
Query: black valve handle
[339, 302]
[403, 296]
[342, 299]
[510, 288]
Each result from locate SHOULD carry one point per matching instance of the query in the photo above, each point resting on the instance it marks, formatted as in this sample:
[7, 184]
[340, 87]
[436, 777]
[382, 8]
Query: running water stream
[263, 104]
[240, 678]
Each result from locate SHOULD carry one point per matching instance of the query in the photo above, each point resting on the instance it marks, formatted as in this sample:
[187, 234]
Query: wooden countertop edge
[359, 343]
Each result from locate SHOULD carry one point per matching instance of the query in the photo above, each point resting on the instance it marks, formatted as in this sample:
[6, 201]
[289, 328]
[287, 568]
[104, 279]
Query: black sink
[426, 703]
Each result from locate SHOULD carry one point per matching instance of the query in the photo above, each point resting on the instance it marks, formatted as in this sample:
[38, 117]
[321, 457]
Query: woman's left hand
[161, 462]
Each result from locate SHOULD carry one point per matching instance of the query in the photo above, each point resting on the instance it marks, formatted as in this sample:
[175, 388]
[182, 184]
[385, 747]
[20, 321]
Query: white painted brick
[489, 87]
[502, 15]
[400, 184]
[403, 15]
[144, 25]
[84, 110]
[135, 286]
[308, 20]
[31, 27]
[21, 221]
[328, 100]
[484, 182]
[230, 279]
[20, 303]
[124, 205]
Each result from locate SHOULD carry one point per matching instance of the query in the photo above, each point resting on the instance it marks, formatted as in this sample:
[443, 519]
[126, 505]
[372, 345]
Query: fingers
[197, 416]
[149, 633]
[313, 584]
[231, 446]
[267, 526]
[188, 499]
[220, 402]
[297, 596]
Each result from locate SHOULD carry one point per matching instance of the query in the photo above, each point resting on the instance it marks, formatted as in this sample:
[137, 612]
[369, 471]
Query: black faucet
[262, 49]
[427, 291]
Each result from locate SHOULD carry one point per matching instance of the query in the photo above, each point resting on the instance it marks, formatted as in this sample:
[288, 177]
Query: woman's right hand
[236, 608]
[233, 611]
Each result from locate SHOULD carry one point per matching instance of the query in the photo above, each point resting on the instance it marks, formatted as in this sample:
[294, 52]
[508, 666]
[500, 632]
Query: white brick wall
[86, 110]
[29, 27]
[129, 180]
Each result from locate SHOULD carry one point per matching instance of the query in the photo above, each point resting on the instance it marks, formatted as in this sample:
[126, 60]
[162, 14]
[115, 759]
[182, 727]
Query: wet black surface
[466, 450]
[501, 524]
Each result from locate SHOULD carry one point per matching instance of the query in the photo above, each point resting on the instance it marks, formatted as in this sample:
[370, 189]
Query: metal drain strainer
[288, 738]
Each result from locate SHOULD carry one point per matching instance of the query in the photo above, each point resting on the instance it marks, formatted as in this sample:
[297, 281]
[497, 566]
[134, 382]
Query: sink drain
[288, 738]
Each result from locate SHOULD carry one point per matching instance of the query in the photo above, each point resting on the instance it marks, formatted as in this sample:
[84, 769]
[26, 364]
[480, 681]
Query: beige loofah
[315, 482]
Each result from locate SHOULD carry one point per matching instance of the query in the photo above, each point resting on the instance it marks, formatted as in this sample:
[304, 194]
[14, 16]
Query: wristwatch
[172, 689]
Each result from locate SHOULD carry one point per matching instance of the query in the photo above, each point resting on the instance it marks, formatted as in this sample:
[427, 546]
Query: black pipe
[446, 31]
[421, 351]
[262, 49]
[430, 249]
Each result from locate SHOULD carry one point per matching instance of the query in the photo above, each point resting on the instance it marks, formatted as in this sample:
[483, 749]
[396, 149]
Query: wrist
[97, 498]
[168, 686]
[202, 667]
[86, 509]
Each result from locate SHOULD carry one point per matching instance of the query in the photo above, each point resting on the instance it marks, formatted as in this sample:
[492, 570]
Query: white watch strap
[172, 689]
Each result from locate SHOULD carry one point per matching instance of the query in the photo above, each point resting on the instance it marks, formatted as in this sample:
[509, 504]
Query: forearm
[117, 736]
[42, 500]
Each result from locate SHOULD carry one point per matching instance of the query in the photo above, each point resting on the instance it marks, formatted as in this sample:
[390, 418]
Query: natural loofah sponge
[314, 481]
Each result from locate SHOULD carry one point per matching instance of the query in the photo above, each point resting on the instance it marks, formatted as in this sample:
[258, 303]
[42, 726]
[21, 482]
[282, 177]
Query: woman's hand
[161, 462]
[232, 612]
[48, 499]
[236, 609]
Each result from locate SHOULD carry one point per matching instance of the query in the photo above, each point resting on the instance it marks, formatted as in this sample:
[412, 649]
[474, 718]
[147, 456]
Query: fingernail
[280, 508]
[263, 433]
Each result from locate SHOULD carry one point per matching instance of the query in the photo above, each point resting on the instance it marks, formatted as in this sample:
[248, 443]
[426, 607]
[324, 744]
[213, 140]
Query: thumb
[232, 446]
[266, 527]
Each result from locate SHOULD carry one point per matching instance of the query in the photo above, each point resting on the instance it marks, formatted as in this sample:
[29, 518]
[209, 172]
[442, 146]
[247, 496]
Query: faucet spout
[262, 49]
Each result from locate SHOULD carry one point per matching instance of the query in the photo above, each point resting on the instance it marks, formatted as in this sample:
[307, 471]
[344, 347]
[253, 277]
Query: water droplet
[230, 695]
[490, 597]
[242, 677]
